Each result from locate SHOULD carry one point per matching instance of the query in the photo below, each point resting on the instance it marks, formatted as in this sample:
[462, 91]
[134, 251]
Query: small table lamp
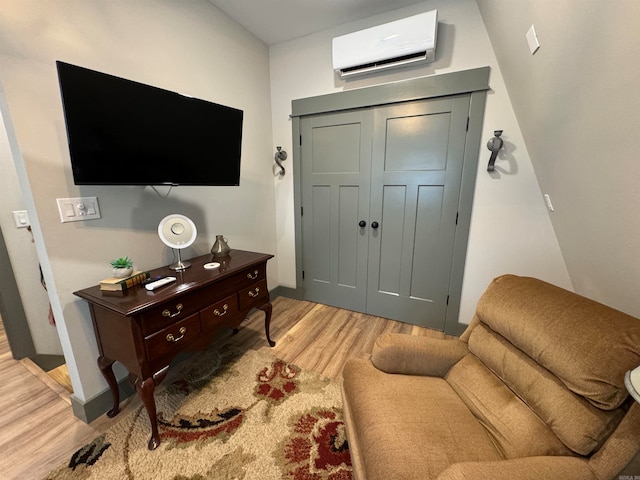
[632, 382]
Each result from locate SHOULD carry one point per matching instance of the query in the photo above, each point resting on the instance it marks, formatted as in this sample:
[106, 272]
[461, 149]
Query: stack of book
[121, 284]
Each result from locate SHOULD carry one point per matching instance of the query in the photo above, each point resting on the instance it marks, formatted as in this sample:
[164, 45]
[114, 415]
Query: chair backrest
[556, 362]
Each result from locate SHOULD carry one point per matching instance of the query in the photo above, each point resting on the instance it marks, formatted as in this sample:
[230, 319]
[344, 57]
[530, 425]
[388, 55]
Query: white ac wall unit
[404, 42]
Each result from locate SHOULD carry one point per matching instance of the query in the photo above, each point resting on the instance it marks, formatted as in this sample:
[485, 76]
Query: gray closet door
[397, 169]
[418, 152]
[336, 176]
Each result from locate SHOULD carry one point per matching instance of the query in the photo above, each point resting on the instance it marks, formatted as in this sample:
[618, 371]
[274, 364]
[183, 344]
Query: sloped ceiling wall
[577, 101]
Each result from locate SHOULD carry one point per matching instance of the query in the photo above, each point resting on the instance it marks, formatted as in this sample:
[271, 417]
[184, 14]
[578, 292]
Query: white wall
[579, 108]
[510, 229]
[189, 47]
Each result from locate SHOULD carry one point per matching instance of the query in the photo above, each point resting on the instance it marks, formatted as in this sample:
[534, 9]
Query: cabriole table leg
[267, 308]
[145, 389]
[106, 367]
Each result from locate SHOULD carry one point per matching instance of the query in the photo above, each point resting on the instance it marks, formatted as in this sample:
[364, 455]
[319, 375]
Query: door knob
[375, 225]
[362, 224]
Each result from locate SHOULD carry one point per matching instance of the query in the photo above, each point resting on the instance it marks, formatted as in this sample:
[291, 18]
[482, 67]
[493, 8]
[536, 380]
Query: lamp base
[179, 266]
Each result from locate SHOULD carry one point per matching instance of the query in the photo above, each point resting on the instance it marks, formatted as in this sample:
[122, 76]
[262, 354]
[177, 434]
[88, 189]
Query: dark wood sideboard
[144, 330]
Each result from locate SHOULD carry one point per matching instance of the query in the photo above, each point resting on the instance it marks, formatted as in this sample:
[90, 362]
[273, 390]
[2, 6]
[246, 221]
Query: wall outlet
[78, 209]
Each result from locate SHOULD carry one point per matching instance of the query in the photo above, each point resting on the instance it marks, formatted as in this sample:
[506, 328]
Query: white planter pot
[122, 272]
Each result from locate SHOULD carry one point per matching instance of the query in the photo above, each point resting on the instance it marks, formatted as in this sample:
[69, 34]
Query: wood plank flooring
[38, 430]
[60, 375]
[37, 427]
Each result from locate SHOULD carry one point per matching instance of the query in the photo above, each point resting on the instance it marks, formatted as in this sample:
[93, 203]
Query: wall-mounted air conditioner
[404, 42]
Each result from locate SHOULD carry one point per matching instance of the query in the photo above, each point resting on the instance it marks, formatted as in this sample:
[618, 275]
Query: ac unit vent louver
[403, 42]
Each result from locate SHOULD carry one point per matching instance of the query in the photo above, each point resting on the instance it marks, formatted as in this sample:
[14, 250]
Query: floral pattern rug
[234, 415]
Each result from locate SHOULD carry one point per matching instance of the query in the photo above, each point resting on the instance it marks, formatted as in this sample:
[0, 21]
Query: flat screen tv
[122, 132]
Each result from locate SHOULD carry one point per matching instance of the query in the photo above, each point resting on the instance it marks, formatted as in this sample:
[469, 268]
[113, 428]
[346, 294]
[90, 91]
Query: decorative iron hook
[280, 156]
[495, 144]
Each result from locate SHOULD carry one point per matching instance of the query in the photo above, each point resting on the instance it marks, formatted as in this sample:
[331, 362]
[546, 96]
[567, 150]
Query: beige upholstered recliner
[533, 389]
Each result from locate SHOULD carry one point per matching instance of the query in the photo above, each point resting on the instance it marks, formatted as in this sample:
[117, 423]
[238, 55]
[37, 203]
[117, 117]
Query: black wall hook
[495, 144]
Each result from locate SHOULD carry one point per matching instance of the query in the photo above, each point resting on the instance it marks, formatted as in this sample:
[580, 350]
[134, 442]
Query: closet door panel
[380, 193]
[336, 173]
[418, 150]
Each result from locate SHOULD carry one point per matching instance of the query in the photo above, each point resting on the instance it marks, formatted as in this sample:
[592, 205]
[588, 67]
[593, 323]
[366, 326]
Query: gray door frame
[14, 319]
[476, 83]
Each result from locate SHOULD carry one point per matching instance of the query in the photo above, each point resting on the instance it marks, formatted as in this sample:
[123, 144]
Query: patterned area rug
[234, 415]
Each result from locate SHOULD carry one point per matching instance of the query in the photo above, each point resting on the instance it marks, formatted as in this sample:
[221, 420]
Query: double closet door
[380, 189]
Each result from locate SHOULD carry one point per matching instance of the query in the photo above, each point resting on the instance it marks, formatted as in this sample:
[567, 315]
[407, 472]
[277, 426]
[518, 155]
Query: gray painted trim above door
[433, 86]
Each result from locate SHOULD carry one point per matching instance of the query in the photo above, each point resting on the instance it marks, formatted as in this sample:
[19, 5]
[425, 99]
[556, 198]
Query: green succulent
[122, 262]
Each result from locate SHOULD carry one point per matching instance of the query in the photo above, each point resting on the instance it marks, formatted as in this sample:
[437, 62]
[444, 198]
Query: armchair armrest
[529, 468]
[412, 355]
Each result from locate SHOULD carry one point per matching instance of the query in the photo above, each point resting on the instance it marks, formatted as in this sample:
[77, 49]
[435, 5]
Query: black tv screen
[122, 132]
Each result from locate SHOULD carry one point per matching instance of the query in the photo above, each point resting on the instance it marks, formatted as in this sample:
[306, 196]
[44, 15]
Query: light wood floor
[38, 430]
[60, 375]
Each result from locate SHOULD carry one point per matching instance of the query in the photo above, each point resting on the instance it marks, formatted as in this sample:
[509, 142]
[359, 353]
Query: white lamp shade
[177, 231]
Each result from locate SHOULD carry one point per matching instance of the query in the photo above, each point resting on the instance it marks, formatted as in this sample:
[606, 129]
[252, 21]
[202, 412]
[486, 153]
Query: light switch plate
[21, 218]
[78, 209]
[532, 40]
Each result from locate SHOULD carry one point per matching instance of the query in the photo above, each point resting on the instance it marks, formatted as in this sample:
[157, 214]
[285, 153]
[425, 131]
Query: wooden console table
[144, 330]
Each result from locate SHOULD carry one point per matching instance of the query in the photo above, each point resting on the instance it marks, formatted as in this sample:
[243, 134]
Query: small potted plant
[122, 267]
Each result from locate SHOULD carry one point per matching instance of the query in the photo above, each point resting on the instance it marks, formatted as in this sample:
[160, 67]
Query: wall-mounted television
[122, 132]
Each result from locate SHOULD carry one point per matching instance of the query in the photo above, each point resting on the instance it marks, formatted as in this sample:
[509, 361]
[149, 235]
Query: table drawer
[254, 295]
[171, 339]
[255, 274]
[170, 312]
[219, 313]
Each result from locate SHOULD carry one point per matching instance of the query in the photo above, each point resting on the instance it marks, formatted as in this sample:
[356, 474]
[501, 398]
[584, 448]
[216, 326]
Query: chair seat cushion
[410, 427]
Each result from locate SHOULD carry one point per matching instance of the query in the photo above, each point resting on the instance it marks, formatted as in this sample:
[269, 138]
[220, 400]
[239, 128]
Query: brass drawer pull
[167, 313]
[218, 313]
[254, 293]
[252, 276]
[171, 338]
